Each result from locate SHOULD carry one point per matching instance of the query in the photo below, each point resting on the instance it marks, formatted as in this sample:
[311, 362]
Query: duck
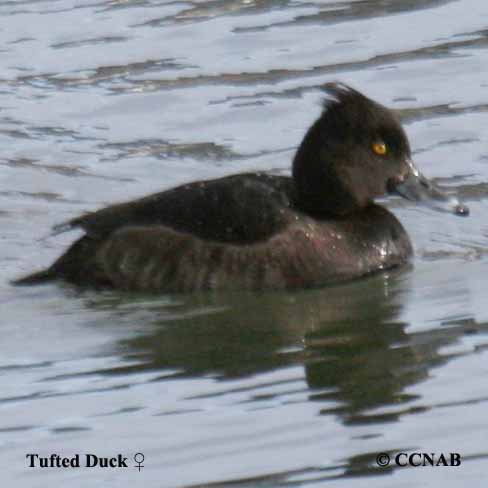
[256, 231]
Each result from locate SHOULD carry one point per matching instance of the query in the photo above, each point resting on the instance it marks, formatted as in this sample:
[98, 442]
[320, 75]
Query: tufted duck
[255, 230]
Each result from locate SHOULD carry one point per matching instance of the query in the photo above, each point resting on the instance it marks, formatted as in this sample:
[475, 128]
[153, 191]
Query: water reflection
[349, 338]
[360, 359]
[357, 355]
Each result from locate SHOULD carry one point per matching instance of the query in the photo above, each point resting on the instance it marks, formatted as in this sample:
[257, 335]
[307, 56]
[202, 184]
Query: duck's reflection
[355, 351]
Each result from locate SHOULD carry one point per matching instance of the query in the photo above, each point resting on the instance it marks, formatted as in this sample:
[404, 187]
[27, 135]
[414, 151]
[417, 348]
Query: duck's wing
[241, 208]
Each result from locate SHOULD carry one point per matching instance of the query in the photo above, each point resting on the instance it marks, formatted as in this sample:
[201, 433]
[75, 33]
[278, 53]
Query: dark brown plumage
[253, 231]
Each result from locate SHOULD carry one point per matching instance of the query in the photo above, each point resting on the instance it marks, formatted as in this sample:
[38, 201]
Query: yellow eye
[379, 148]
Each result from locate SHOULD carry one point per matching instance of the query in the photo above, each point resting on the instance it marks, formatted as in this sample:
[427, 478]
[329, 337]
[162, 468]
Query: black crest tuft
[338, 93]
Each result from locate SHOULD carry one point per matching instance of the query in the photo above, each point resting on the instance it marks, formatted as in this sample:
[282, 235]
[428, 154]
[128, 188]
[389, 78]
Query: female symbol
[139, 459]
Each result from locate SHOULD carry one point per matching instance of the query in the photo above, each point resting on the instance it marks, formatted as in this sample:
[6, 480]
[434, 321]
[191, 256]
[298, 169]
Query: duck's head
[355, 152]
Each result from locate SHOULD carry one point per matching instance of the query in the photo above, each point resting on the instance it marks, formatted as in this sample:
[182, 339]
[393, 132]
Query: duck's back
[238, 232]
[242, 208]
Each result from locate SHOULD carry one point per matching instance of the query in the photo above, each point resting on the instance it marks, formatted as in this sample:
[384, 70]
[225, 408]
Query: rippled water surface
[102, 101]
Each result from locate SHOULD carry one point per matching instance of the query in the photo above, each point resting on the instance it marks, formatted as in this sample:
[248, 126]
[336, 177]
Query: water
[103, 101]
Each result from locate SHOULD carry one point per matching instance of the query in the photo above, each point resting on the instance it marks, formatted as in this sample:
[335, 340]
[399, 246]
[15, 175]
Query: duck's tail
[43, 276]
[77, 265]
